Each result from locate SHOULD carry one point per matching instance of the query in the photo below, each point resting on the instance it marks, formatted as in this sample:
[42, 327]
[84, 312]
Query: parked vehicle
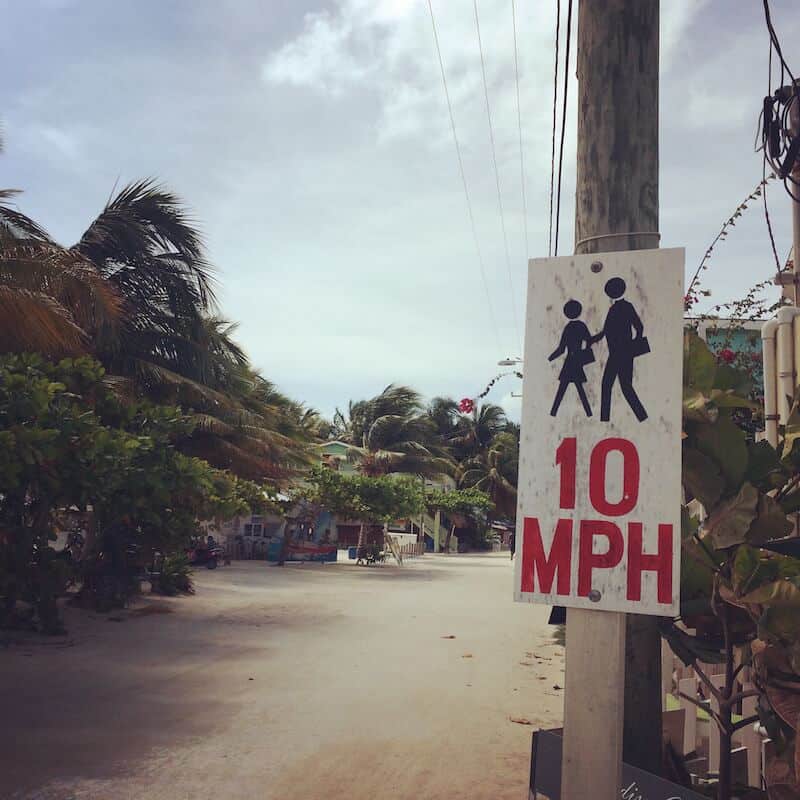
[208, 554]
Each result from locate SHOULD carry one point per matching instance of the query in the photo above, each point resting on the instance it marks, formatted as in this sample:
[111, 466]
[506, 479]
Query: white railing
[696, 735]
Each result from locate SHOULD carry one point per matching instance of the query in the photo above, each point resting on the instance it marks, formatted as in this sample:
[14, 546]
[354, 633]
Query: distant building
[335, 455]
[741, 337]
[338, 455]
[247, 536]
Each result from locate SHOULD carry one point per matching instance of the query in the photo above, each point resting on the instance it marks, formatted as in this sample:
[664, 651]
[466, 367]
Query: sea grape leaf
[770, 521]
[698, 408]
[745, 566]
[689, 524]
[779, 775]
[697, 579]
[763, 465]
[725, 443]
[781, 593]
[699, 364]
[730, 400]
[785, 703]
[702, 477]
[779, 624]
[689, 648]
[790, 447]
[728, 378]
[791, 502]
[731, 520]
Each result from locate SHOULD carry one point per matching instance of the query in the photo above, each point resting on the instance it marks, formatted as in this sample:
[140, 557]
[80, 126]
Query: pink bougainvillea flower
[466, 405]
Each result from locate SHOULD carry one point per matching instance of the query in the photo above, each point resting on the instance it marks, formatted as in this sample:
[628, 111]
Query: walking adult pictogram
[576, 341]
[624, 334]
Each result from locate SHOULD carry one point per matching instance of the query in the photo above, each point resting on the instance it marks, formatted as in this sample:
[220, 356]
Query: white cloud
[63, 143]
[320, 58]
[388, 48]
[315, 147]
[676, 19]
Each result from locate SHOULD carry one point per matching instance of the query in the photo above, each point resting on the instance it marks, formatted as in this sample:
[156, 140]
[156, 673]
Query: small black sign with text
[637, 784]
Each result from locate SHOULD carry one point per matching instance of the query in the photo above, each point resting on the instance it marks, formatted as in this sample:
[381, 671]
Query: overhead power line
[497, 175]
[774, 39]
[555, 121]
[563, 123]
[519, 127]
[489, 306]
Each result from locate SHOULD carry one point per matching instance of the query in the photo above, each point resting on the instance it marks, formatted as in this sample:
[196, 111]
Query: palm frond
[14, 224]
[146, 220]
[69, 279]
[34, 321]
[152, 376]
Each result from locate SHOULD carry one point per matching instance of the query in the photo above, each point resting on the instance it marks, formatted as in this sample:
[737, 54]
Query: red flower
[467, 405]
[727, 355]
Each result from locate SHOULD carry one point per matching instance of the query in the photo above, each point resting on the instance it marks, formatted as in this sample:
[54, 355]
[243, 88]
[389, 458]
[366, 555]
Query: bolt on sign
[598, 519]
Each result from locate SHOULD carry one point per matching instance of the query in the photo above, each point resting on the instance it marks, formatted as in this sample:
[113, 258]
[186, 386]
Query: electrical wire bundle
[780, 141]
[781, 144]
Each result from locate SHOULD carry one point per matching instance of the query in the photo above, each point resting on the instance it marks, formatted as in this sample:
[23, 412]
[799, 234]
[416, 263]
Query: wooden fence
[695, 735]
[412, 549]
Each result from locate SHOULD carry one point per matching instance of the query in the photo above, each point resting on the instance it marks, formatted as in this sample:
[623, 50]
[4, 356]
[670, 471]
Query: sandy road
[307, 682]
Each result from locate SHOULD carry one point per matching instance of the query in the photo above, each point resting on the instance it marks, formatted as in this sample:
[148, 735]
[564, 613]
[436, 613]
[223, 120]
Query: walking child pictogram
[576, 341]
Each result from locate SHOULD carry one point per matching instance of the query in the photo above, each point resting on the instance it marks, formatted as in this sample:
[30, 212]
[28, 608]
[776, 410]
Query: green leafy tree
[740, 582]
[67, 441]
[459, 505]
[45, 436]
[136, 291]
[391, 433]
[375, 499]
[371, 500]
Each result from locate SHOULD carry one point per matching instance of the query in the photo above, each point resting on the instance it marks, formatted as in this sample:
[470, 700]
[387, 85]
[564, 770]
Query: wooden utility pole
[794, 119]
[616, 193]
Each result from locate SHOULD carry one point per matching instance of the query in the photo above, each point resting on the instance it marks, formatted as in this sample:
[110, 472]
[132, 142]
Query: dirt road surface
[309, 682]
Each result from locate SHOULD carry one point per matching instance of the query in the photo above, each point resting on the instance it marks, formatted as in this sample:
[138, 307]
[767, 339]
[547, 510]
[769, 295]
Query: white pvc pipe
[768, 332]
[785, 362]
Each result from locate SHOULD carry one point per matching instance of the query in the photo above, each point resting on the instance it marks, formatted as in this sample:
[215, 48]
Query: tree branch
[710, 711]
[735, 698]
[743, 723]
[707, 682]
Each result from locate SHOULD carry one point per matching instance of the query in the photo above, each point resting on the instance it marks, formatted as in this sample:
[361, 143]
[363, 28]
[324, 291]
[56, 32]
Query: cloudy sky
[312, 142]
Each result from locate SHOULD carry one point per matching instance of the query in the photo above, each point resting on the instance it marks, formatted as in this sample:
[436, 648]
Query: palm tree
[146, 247]
[445, 416]
[49, 297]
[390, 433]
[172, 345]
[495, 471]
[254, 432]
[477, 430]
[136, 292]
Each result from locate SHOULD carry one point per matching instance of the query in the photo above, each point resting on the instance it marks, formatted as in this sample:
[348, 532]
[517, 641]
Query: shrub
[175, 576]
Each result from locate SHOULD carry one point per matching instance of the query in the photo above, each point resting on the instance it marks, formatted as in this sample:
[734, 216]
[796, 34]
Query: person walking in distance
[624, 334]
[576, 342]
